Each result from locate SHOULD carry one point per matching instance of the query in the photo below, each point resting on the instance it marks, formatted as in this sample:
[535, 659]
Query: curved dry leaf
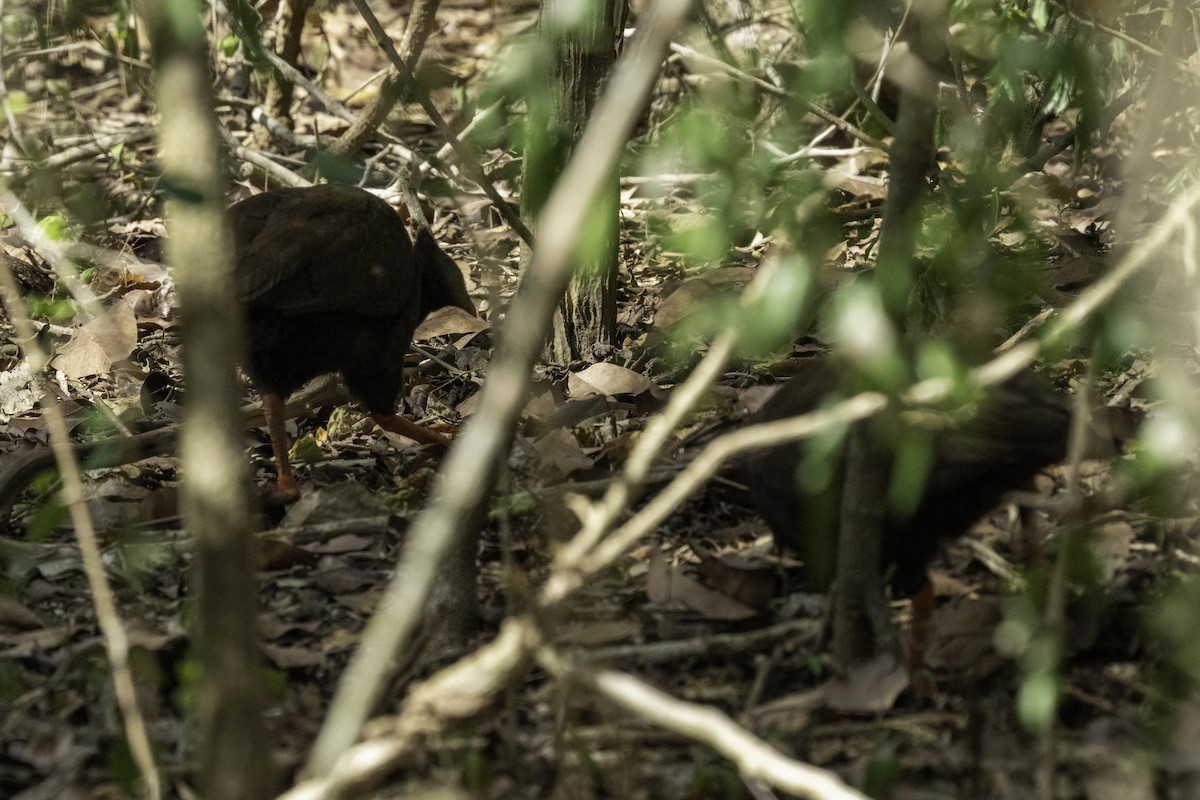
[99, 344]
[608, 380]
[687, 298]
[449, 321]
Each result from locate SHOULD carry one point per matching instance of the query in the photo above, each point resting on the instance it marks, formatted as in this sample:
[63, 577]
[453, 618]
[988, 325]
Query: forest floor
[706, 610]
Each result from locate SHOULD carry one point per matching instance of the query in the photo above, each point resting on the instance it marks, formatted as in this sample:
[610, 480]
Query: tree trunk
[288, 31]
[585, 323]
[234, 760]
[861, 621]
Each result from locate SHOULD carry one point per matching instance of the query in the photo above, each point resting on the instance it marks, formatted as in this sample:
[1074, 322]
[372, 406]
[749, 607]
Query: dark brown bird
[330, 282]
[1020, 428]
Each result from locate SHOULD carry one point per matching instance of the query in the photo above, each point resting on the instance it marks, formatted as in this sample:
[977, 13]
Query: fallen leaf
[743, 580]
[608, 380]
[19, 391]
[99, 344]
[870, 687]
[960, 636]
[671, 585]
[561, 454]
[687, 298]
[292, 657]
[449, 321]
[14, 615]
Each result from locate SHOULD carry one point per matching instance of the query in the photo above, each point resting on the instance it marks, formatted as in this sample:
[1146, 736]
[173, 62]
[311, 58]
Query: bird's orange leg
[285, 482]
[395, 423]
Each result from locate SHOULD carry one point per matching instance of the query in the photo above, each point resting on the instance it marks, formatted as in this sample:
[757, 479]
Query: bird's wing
[323, 249]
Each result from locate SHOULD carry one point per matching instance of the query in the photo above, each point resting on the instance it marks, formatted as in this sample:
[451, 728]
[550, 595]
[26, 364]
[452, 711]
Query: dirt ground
[706, 610]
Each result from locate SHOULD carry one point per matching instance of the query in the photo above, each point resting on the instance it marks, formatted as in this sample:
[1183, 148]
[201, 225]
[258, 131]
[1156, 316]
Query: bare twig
[234, 751]
[1183, 65]
[440, 697]
[469, 162]
[470, 468]
[755, 759]
[770, 88]
[260, 160]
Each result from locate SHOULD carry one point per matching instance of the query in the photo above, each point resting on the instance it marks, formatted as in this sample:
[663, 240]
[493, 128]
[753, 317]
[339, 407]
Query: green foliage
[882, 772]
[122, 766]
[17, 101]
[50, 309]
[121, 37]
[306, 450]
[1029, 635]
[867, 337]
[229, 45]
[785, 307]
[519, 506]
[913, 458]
[542, 143]
[714, 779]
[189, 675]
[477, 772]
[49, 515]
[411, 493]
[58, 227]
[142, 560]
[1174, 618]
[17, 26]
[275, 683]
[1184, 179]
[1023, 636]
[247, 26]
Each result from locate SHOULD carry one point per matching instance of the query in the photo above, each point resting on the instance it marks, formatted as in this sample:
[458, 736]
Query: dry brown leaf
[961, 633]
[449, 321]
[686, 299]
[749, 582]
[870, 687]
[561, 454]
[14, 615]
[608, 380]
[19, 391]
[291, 657]
[99, 344]
[670, 584]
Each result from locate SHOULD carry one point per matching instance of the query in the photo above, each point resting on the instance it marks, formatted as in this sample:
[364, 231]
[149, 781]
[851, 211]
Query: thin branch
[475, 679]
[470, 468]
[755, 759]
[470, 163]
[259, 159]
[1180, 64]
[772, 89]
[116, 642]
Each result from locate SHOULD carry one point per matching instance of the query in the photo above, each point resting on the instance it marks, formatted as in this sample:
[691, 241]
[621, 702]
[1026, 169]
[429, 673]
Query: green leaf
[17, 101]
[1039, 14]
[56, 226]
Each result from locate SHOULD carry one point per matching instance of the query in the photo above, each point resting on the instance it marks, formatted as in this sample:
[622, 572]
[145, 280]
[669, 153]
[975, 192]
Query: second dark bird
[330, 282]
[1020, 427]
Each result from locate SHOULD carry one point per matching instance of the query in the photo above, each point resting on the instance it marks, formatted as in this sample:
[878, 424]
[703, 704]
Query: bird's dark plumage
[330, 282]
[1021, 427]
